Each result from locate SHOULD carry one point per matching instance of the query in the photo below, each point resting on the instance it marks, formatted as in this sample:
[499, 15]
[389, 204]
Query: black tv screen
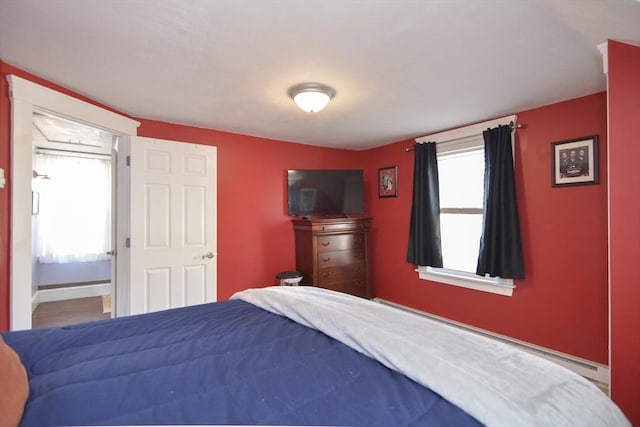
[325, 192]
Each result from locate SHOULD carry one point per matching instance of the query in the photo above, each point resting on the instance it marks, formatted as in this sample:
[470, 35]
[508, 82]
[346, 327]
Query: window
[73, 223]
[461, 177]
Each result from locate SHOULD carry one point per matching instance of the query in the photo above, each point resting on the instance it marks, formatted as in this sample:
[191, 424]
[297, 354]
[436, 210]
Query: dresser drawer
[340, 242]
[354, 271]
[333, 253]
[336, 258]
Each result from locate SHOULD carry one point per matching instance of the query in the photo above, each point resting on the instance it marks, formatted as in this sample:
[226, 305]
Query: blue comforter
[222, 363]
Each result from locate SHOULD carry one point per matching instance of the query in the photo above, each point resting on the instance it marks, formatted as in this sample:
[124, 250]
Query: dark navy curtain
[424, 235]
[500, 244]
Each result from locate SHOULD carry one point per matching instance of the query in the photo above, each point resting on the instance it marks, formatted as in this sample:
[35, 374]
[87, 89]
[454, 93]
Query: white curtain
[73, 221]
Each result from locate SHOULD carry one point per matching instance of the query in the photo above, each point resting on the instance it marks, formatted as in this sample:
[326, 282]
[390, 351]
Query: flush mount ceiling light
[311, 97]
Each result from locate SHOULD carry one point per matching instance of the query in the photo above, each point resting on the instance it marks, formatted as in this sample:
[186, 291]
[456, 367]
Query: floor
[68, 312]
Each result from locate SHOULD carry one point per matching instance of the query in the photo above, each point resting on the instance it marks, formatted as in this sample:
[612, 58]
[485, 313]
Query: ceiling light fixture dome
[311, 97]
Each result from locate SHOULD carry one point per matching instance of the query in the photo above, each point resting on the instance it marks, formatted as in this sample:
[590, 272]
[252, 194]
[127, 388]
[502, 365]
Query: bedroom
[560, 308]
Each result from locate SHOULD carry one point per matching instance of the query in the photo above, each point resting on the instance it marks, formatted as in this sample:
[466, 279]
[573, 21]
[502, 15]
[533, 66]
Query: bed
[291, 356]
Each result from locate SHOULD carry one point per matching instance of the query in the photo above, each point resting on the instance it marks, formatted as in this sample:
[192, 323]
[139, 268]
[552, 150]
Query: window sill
[492, 285]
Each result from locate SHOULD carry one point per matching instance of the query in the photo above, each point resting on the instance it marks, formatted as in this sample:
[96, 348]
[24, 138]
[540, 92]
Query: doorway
[72, 221]
[26, 98]
[196, 242]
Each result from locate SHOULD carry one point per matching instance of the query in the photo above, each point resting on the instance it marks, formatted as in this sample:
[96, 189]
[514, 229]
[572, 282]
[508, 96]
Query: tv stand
[334, 253]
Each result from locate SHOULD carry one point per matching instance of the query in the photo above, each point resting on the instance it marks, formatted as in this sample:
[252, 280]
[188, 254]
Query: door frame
[27, 97]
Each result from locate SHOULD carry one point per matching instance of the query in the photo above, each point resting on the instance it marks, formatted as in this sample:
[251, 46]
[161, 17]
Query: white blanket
[494, 382]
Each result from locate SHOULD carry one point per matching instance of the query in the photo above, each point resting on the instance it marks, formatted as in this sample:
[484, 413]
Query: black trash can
[289, 278]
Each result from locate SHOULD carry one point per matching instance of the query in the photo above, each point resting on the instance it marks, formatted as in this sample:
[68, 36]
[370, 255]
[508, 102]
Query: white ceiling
[401, 68]
[64, 135]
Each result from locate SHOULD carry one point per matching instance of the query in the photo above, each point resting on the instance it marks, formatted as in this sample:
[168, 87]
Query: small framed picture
[574, 162]
[388, 181]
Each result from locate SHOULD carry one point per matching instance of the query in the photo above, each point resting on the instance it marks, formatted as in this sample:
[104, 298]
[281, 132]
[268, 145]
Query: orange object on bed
[14, 385]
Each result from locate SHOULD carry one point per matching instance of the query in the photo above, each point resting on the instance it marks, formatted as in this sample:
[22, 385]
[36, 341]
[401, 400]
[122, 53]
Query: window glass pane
[461, 179]
[74, 217]
[460, 240]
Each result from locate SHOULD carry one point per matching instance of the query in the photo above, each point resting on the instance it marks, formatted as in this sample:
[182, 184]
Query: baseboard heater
[594, 372]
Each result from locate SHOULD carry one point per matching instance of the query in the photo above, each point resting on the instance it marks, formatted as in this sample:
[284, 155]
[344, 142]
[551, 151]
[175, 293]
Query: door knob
[111, 252]
[208, 255]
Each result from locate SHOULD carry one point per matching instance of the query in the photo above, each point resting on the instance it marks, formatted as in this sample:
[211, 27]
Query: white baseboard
[61, 294]
[593, 371]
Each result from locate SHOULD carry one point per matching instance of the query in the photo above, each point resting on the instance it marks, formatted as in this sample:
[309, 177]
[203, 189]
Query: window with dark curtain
[424, 234]
[500, 244]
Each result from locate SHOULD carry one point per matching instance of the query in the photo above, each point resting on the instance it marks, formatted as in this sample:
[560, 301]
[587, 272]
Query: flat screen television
[325, 192]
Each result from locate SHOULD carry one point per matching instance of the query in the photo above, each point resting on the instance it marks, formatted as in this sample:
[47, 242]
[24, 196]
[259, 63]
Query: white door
[173, 237]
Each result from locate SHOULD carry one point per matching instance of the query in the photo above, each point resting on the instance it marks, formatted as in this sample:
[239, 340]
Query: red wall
[624, 202]
[255, 236]
[562, 303]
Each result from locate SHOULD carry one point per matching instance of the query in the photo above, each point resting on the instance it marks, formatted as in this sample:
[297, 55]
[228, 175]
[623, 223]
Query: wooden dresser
[334, 254]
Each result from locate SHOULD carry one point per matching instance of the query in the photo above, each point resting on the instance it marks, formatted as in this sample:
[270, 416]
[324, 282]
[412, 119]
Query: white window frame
[457, 140]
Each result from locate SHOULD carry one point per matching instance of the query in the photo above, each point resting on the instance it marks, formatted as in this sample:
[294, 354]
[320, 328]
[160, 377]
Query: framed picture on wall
[574, 162]
[388, 181]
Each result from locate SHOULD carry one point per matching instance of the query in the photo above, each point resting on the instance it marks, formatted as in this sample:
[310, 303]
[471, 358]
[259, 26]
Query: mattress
[497, 383]
[222, 363]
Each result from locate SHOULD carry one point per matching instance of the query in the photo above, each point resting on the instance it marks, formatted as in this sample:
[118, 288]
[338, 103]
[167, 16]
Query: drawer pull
[325, 244]
[327, 274]
[326, 259]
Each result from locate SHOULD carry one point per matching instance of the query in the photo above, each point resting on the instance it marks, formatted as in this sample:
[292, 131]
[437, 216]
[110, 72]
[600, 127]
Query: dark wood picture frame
[388, 181]
[575, 162]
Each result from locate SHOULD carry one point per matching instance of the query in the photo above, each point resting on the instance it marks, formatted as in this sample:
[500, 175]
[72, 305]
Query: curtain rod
[59, 152]
[512, 125]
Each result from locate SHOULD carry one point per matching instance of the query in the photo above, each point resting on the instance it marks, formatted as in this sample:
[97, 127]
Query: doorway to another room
[142, 235]
[71, 222]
